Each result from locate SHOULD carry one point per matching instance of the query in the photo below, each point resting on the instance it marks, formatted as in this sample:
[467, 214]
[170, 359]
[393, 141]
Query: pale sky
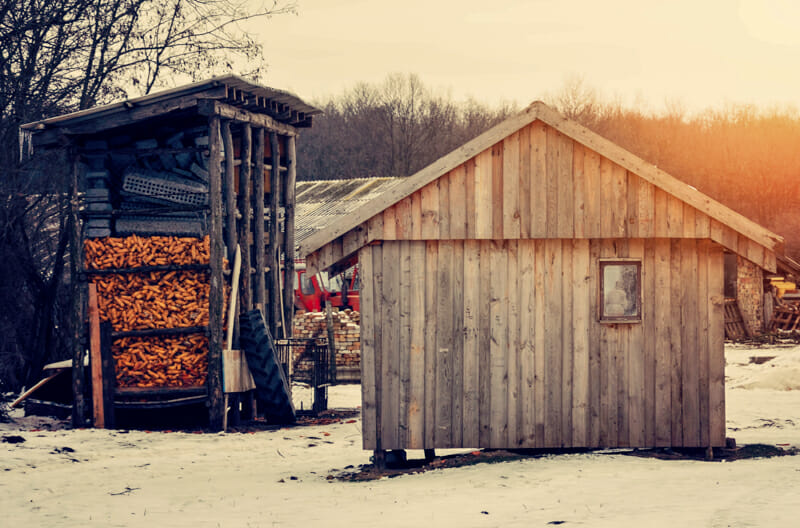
[699, 52]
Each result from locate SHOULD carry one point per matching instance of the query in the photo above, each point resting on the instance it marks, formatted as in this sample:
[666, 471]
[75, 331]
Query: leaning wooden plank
[369, 319]
[24, 396]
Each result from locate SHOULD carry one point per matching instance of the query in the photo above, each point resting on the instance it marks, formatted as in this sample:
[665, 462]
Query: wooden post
[273, 257]
[77, 278]
[331, 342]
[215, 398]
[245, 242]
[96, 360]
[109, 374]
[258, 220]
[288, 236]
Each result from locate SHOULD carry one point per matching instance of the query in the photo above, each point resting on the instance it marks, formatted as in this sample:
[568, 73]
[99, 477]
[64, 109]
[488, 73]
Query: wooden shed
[541, 287]
[163, 189]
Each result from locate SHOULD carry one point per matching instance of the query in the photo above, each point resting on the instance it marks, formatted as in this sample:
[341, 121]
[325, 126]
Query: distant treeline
[746, 157]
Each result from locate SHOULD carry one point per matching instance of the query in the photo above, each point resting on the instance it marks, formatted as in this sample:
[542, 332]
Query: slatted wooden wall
[495, 343]
[539, 183]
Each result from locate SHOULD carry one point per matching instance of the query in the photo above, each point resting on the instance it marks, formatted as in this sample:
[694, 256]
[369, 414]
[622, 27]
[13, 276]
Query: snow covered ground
[278, 478]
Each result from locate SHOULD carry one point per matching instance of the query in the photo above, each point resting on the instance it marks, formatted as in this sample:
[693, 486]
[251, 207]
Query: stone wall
[347, 336]
[750, 294]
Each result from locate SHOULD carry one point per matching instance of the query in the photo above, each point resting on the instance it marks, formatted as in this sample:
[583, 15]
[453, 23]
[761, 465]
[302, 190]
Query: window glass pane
[620, 290]
[305, 285]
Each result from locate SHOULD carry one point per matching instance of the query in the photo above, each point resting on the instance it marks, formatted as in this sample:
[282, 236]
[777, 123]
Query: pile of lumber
[150, 289]
[786, 317]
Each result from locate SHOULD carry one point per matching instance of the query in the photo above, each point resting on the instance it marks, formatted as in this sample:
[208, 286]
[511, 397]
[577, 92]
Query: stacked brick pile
[347, 336]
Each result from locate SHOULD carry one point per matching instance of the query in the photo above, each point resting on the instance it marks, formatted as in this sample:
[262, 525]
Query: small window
[620, 291]
[306, 286]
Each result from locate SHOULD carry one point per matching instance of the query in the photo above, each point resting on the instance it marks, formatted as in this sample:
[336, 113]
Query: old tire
[272, 387]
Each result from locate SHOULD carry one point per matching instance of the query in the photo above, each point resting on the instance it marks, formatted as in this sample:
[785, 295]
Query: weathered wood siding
[539, 183]
[496, 343]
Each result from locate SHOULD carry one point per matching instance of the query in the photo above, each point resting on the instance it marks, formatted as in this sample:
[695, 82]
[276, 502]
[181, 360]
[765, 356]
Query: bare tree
[64, 55]
[393, 128]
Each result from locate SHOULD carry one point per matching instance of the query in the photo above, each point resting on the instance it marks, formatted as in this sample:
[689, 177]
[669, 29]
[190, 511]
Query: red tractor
[310, 293]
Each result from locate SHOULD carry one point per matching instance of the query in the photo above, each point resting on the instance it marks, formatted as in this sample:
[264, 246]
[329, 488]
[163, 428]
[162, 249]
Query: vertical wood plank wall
[516, 357]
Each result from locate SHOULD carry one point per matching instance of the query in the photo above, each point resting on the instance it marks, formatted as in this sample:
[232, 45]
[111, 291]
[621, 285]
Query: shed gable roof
[729, 225]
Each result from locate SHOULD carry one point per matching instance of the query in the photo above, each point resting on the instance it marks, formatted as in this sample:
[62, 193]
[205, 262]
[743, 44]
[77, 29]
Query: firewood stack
[154, 291]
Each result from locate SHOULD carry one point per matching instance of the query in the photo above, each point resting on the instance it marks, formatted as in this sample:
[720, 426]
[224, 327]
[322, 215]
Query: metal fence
[307, 361]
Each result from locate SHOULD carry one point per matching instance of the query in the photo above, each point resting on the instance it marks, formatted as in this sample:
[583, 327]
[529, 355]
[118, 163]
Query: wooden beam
[288, 237]
[245, 179]
[77, 283]
[216, 297]
[258, 220]
[210, 107]
[273, 255]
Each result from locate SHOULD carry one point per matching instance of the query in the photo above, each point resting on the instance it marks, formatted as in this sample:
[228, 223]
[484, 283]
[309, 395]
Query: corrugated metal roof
[322, 203]
[231, 81]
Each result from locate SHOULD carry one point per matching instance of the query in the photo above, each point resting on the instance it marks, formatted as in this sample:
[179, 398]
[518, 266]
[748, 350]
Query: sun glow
[772, 21]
